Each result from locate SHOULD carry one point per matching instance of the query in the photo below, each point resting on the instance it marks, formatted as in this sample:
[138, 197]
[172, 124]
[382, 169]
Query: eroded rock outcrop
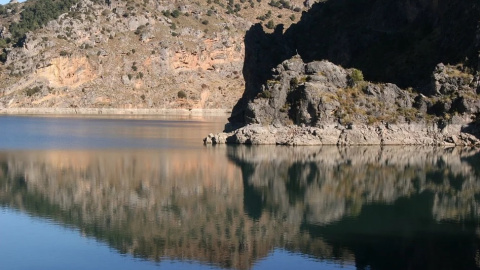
[320, 103]
[421, 59]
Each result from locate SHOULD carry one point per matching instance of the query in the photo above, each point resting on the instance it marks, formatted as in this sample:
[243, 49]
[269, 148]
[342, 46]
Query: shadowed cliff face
[390, 41]
[397, 42]
[263, 51]
[231, 206]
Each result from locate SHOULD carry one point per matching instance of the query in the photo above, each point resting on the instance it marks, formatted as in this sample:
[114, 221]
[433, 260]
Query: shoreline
[114, 111]
[355, 135]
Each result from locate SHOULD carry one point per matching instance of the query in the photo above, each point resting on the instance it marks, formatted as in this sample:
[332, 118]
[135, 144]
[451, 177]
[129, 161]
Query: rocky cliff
[129, 54]
[410, 77]
[321, 103]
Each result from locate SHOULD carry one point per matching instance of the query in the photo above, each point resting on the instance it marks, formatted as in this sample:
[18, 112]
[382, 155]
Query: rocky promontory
[320, 103]
[349, 74]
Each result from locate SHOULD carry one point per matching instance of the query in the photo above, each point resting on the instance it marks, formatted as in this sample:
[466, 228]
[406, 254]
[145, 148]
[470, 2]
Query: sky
[3, 2]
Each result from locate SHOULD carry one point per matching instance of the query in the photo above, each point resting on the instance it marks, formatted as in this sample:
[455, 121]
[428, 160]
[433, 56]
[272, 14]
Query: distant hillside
[129, 54]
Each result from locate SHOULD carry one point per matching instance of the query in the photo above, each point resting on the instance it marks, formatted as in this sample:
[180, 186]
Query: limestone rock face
[141, 53]
[320, 93]
[320, 103]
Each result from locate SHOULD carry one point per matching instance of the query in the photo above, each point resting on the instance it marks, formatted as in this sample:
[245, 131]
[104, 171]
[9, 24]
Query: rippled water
[144, 193]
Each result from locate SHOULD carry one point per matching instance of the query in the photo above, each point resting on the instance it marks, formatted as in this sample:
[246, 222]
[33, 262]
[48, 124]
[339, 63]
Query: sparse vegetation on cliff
[194, 43]
[357, 76]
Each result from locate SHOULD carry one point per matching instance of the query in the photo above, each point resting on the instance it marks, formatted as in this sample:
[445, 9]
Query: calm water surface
[144, 193]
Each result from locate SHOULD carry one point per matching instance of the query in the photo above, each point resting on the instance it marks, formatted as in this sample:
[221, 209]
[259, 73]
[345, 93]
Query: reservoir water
[145, 193]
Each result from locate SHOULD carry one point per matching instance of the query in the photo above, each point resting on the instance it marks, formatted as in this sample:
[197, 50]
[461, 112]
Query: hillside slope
[130, 54]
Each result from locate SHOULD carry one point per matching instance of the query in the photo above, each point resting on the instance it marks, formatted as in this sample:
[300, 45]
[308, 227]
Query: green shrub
[32, 91]
[3, 43]
[181, 94]
[357, 76]
[294, 82]
[3, 56]
[140, 29]
[176, 13]
[266, 94]
[270, 24]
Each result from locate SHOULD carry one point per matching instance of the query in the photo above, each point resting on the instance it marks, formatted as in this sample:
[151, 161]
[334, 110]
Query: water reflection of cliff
[328, 183]
[351, 204]
[392, 208]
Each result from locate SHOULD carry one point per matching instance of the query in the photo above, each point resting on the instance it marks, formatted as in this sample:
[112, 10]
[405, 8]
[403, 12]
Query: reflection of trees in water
[381, 205]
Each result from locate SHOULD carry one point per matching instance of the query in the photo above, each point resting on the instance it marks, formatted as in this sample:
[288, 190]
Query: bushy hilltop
[130, 54]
